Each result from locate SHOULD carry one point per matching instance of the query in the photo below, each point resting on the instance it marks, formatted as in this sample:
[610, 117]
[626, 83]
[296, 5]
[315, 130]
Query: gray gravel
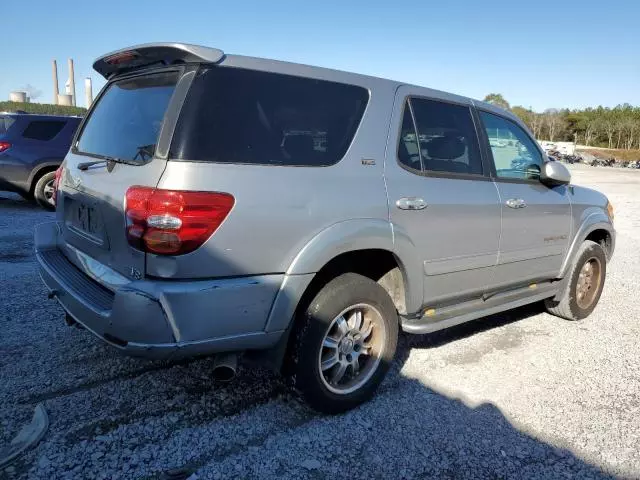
[518, 395]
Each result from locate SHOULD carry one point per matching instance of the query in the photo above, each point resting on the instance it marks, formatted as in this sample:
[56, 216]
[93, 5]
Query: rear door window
[43, 130]
[447, 137]
[126, 121]
[234, 115]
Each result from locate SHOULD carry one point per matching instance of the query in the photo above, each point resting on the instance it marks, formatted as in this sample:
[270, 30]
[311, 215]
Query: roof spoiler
[147, 54]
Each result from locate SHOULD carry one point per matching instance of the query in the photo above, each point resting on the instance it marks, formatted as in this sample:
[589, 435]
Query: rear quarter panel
[279, 209]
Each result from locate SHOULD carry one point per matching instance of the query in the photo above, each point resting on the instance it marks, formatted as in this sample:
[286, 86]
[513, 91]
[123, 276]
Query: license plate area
[85, 219]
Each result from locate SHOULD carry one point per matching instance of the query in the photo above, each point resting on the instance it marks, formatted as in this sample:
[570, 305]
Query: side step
[434, 319]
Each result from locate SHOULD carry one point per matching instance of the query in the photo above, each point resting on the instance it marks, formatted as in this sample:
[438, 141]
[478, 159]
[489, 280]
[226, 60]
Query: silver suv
[222, 204]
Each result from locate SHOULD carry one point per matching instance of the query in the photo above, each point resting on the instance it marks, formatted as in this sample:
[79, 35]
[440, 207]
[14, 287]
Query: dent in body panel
[216, 308]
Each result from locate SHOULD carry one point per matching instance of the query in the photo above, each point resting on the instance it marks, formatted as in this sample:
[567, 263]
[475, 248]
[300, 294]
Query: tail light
[4, 146]
[170, 222]
[56, 183]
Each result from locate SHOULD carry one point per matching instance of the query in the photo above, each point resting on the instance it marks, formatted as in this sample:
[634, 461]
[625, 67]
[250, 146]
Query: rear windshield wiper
[86, 165]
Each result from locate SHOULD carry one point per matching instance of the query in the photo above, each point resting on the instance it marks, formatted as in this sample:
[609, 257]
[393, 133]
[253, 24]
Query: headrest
[446, 148]
[297, 145]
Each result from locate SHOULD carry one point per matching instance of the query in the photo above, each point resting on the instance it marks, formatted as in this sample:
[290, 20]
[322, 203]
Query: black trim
[407, 102]
[485, 149]
[138, 73]
[518, 180]
[484, 176]
[449, 175]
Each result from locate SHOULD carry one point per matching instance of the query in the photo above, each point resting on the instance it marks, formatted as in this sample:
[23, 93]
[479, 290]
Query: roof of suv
[168, 53]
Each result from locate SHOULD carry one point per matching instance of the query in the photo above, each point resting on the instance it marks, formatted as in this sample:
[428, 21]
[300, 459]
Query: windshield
[126, 121]
[5, 123]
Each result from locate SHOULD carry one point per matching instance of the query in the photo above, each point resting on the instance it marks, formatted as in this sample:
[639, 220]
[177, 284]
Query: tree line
[42, 108]
[617, 127]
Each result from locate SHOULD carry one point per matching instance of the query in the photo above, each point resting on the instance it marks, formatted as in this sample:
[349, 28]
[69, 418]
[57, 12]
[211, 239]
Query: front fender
[592, 219]
[362, 234]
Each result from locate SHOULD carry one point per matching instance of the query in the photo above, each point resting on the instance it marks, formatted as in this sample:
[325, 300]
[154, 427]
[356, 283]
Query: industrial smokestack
[64, 99]
[19, 97]
[55, 83]
[72, 83]
[88, 91]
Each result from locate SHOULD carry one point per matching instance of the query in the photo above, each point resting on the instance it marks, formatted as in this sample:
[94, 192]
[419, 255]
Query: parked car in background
[222, 204]
[32, 147]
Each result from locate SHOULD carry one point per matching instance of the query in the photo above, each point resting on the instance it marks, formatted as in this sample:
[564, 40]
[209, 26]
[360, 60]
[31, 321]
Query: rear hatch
[116, 148]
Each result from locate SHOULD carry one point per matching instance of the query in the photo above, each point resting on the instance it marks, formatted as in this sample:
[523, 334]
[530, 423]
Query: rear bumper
[158, 318]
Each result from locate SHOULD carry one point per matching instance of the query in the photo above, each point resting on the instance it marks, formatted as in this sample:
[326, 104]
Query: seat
[299, 148]
[442, 153]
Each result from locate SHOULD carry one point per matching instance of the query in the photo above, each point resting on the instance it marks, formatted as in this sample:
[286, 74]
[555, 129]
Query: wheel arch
[369, 247]
[358, 244]
[597, 227]
[42, 169]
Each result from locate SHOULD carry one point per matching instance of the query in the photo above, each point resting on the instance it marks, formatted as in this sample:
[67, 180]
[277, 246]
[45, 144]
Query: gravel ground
[517, 395]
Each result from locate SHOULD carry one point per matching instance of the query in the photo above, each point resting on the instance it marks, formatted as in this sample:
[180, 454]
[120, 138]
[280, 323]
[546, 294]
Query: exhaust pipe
[225, 367]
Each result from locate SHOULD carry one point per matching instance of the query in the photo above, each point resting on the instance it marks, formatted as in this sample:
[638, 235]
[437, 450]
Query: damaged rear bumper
[159, 318]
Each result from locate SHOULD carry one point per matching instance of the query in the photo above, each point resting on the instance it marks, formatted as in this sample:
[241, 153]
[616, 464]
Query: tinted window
[126, 121]
[43, 129]
[408, 150]
[5, 123]
[242, 116]
[447, 137]
[514, 152]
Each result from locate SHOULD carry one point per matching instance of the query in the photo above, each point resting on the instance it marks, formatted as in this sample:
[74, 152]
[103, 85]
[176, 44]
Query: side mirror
[554, 174]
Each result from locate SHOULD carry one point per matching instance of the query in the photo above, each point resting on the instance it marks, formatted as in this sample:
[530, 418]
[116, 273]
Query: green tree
[498, 100]
[42, 108]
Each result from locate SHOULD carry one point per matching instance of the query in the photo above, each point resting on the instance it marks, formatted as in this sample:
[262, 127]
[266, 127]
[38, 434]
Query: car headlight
[610, 210]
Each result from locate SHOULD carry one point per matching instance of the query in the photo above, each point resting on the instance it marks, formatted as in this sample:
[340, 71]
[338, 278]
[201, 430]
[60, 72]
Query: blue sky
[561, 53]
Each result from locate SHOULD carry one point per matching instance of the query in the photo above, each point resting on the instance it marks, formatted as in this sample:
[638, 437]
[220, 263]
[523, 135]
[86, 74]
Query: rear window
[243, 116]
[5, 123]
[127, 119]
[43, 130]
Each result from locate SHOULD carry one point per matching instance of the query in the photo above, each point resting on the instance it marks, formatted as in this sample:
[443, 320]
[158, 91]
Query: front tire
[344, 345]
[43, 191]
[584, 287]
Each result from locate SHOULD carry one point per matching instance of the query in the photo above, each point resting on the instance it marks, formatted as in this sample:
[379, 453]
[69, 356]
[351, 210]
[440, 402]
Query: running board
[434, 319]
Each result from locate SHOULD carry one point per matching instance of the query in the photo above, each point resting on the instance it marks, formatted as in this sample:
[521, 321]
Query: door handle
[411, 203]
[515, 203]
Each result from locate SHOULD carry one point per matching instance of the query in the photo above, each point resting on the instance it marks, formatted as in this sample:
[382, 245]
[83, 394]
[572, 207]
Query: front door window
[515, 154]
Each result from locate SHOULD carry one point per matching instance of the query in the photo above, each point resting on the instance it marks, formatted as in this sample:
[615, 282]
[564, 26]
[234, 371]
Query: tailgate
[115, 150]
[91, 210]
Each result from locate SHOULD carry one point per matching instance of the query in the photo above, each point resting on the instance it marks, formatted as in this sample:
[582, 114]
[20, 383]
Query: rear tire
[585, 283]
[344, 343]
[43, 191]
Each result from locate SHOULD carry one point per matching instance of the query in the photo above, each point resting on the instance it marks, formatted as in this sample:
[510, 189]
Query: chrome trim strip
[99, 272]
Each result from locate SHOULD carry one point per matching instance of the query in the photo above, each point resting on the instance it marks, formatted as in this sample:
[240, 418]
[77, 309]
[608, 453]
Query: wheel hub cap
[588, 285]
[346, 346]
[352, 348]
